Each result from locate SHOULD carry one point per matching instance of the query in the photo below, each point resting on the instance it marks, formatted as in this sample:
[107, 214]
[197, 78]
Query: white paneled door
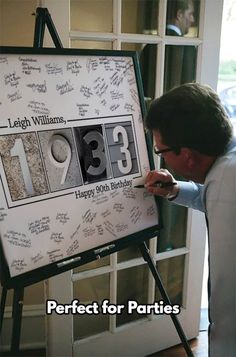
[178, 251]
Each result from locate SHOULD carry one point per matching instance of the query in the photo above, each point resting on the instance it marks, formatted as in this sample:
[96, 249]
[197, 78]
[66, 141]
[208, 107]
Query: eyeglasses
[160, 152]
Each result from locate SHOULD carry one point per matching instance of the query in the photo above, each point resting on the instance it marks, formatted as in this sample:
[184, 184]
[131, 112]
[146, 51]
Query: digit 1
[62, 146]
[124, 149]
[18, 150]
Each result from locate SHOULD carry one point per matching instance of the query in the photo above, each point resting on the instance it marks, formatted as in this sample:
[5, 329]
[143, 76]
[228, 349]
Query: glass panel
[33, 295]
[172, 275]
[92, 15]
[139, 16]
[17, 22]
[174, 218]
[180, 65]
[126, 46]
[173, 233]
[129, 253]
[93, 265]
[97, 45]
[147, 60]
[132, 284]
[88, 291]
[182, 18]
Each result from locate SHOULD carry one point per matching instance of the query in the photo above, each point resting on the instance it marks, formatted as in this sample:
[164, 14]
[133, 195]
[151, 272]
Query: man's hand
[164, 176]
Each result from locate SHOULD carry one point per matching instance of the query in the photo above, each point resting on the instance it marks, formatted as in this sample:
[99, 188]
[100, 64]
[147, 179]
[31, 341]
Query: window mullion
[161, 18]
[151, 283]
[113, 290]
[117, 17]
[159, 80]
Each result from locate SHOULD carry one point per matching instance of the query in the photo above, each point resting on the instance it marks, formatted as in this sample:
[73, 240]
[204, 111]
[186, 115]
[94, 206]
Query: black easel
[151, 264]
[17, 308]
[43, 18]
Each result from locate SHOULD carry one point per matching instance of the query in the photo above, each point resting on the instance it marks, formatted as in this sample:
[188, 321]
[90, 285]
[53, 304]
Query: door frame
[159, 331]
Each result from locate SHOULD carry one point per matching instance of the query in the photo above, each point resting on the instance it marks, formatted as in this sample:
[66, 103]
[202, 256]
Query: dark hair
[192, 116]
[174, 6]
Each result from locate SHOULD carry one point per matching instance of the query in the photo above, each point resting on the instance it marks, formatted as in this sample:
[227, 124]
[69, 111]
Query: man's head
[180, 13]
[191, 121]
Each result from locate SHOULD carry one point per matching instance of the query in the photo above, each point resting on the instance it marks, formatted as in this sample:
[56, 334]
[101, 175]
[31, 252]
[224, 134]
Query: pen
[158, 184]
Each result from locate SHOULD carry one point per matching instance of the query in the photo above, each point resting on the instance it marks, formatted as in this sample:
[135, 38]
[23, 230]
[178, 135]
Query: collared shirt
[174, 28]
[217, 198]
[193, 195]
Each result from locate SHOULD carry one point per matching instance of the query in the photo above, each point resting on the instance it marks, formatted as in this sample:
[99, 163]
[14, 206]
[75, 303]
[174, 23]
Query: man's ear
[179, 15]
[190, 158]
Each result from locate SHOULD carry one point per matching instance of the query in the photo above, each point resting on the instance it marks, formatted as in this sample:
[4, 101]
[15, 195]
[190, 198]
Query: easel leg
[43, 18]
[3, 303]
[17, 316]
[147, 257]
[39, 27]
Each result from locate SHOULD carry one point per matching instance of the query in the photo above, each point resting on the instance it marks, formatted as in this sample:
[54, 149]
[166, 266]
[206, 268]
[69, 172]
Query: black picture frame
[60, 266]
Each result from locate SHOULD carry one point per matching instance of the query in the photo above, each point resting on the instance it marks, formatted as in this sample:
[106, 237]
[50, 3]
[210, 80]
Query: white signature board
[72, 148]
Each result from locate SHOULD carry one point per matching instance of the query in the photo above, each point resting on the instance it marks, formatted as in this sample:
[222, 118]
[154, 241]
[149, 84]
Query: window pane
[129, 253]
[182, 18]
[88, 291]
[132, 284]
[91, 44]
[126, 46]
[33, 295]
[17, 22]
[180, 65]
[147, 60]
[172, 276]
[92, 15]
[173, 233]
[139, 16]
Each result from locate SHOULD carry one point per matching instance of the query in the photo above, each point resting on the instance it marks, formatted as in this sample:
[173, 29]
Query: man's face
[177, 162]
[186, 18]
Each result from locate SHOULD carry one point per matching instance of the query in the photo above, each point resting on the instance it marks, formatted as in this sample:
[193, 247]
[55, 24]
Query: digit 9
[59, 153]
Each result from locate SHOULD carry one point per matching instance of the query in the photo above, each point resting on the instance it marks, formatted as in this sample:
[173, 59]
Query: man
[195, 138]
[180, 60]
[180, 17]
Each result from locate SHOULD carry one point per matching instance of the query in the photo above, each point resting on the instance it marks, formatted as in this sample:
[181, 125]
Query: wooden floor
[199, 346]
